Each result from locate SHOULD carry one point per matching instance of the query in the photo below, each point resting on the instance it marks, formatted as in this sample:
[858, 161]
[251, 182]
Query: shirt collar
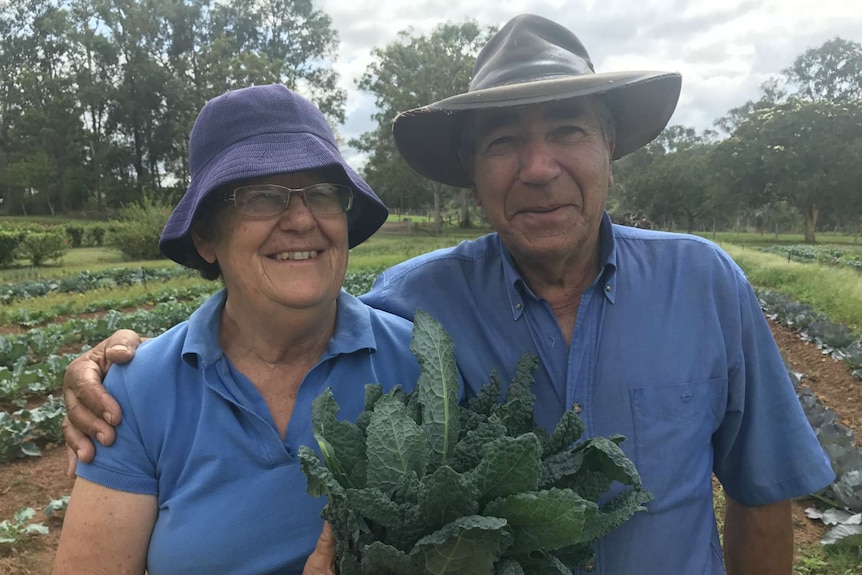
[517, 288]
[353, 330]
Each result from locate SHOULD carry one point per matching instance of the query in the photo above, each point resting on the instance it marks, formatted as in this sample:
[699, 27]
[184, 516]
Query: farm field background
[47, 314]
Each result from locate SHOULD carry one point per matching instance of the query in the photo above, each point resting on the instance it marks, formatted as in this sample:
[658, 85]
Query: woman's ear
[205, 248]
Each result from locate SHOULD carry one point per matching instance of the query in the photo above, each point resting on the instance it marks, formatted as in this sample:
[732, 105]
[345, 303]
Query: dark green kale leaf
[396, 445]
[437, 388]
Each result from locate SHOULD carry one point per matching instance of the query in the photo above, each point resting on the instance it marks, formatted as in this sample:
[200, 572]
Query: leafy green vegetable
[420, 485]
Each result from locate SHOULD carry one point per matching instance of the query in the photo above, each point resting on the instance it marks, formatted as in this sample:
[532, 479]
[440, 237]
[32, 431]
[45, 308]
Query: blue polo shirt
[197, 434]
[670, 348]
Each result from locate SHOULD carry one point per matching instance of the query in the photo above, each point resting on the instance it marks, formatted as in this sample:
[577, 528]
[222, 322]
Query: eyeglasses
[267, 200]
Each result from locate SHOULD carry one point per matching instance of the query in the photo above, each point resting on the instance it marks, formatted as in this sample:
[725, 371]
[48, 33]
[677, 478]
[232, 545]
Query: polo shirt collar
[517, 288]
[353, 330]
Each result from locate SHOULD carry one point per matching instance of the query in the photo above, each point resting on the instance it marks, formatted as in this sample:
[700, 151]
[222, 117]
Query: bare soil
[34, 482]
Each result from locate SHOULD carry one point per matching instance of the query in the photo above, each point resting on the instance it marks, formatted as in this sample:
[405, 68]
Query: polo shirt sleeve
[765, 449]
[125, 465]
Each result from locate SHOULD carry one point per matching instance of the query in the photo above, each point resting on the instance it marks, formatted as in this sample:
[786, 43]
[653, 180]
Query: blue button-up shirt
[670, 348]
[197, 434]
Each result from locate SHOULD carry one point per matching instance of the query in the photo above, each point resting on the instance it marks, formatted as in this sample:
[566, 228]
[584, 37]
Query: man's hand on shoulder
[91, 412]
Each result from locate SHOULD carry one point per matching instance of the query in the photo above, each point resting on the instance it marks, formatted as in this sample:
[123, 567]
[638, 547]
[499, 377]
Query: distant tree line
[792, 159]
[99, 97]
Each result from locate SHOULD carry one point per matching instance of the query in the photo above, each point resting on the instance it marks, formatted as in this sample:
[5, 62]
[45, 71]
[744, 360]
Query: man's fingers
[120, 346]
[322, 560]
[326, 543]
[78, 447]
[81, 422]
[71, 459]
[84, 393]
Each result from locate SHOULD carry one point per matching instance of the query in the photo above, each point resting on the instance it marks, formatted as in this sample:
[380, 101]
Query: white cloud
[723, 50]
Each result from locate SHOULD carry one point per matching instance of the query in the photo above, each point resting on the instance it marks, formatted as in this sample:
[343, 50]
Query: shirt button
[576, 407]
[519, 305]
[590, 567]
[608, 287]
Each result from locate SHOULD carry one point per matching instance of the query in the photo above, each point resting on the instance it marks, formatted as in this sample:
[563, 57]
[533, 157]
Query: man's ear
[611, 178]
[205, 248]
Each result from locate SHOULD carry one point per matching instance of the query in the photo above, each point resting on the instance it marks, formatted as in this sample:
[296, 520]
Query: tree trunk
[690, 219]
[811, 213]
[465, 209]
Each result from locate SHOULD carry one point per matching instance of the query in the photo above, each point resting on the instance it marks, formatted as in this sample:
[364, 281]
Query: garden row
[16, 530]
[90, 280]
[27, 317]
[837, 440]
[821, 254]
[30, 359]
[833, 339]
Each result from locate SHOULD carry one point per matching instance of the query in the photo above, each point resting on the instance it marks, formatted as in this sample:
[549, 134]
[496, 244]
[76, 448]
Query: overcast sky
[724, 49]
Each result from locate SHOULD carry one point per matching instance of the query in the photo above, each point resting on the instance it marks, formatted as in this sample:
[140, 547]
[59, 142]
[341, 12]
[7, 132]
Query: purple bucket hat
[256, 132]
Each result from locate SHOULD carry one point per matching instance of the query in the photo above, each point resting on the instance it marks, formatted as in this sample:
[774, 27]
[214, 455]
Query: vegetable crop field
[812, 296]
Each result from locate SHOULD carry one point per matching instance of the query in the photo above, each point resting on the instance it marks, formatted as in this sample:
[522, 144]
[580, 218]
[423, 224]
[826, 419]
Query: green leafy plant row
[16, 530]
[822, 254]
[24, 381]
[359, 282]
[22, 432]
[27, 317]
[38, 343]
[420, 485]
[87, 280]
[834, 339]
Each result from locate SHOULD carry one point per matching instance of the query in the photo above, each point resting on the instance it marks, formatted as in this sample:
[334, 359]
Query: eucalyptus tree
[800, 143]
[413, 71]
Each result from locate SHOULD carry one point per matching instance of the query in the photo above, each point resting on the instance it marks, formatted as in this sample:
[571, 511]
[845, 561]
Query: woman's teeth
[296, 255]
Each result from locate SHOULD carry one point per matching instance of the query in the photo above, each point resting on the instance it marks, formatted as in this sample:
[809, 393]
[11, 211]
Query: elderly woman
[204, 475]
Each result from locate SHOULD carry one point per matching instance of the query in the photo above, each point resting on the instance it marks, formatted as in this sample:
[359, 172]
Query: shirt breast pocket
[673, 427]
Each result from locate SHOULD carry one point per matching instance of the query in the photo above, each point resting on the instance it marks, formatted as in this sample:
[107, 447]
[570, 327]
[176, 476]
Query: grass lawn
[383, 250]
[770, 239]
[834, 291]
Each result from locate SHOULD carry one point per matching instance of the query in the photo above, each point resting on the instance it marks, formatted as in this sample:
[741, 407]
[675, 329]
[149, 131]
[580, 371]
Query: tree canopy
[99, 96]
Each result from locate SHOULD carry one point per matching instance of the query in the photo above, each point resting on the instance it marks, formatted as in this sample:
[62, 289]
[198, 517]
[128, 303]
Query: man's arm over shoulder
[91, 412]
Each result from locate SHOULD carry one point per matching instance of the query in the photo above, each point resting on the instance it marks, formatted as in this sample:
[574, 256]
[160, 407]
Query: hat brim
[641, 104]
[264, 156]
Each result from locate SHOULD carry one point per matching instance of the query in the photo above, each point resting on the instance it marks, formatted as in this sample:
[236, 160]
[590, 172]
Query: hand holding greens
[420, 485]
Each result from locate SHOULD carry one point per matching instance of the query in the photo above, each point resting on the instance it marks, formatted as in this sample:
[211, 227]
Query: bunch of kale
[420, 485]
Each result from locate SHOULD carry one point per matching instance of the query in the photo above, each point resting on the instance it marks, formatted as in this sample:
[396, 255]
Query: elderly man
[652, 335]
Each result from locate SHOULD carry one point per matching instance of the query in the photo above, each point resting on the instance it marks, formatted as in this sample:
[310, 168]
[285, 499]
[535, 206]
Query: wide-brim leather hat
[256, 132]
[533, 60]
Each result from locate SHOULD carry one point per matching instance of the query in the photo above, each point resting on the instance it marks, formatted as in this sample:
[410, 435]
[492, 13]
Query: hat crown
[527, 49]
[238, 115]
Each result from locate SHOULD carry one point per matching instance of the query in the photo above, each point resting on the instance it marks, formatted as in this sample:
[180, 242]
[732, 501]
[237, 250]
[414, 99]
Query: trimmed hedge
[41, 246]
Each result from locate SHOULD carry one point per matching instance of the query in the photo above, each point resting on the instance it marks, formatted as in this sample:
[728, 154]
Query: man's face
[542, 174]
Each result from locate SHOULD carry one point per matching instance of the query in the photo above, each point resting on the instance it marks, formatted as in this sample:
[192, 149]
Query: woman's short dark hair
[206, 226]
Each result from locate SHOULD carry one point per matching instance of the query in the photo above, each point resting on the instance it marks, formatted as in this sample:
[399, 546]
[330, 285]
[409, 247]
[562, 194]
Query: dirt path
[33, 482]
